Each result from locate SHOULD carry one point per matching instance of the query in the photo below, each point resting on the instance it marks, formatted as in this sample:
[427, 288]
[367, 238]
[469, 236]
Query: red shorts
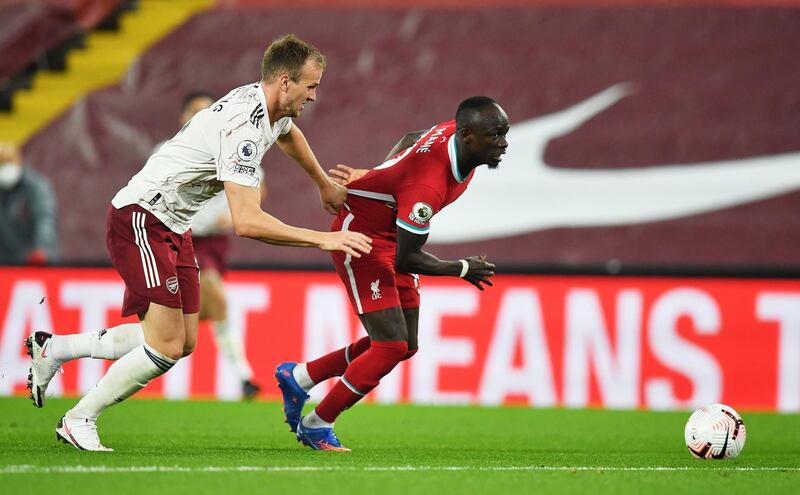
[371, 280]
[212, 251]
[156, 264]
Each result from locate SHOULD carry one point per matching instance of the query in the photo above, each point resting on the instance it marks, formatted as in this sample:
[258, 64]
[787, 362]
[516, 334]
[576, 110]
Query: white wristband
[464, 268]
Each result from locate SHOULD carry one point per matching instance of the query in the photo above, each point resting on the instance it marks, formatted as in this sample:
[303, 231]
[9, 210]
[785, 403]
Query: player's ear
[283, 82]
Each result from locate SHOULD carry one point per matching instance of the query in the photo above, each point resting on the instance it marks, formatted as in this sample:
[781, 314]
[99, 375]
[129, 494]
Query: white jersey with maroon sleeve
[224, 142]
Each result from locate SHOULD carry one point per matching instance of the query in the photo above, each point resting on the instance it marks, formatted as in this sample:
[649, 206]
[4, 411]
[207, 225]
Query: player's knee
[171, 348]
[189, 344]
[171, 351]
[396, 350]
[188, 349]
[169, 345]
[214, 313]
[216, 303]
[409, 354]
[218, 313]
[401, 351]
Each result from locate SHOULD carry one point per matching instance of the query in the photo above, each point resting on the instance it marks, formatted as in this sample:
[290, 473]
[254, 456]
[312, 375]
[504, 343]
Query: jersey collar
[451, 151]
[268, 130]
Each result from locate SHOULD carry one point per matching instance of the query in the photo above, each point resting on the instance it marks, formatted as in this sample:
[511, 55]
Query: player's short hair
[469, 109]
[193, 95]
[288, 54]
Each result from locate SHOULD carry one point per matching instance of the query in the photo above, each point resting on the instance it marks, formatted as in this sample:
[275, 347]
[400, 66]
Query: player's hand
[479, 271]
[352, 243]
[344, 175]
[332, 196]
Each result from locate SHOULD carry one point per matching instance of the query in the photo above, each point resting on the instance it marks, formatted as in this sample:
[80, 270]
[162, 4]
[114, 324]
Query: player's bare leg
[388, 335]
[165, 330]
[411, 316]
[191, 323]
[214, 307]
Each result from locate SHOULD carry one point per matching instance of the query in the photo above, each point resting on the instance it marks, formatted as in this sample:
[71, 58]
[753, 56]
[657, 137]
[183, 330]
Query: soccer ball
[715, 431]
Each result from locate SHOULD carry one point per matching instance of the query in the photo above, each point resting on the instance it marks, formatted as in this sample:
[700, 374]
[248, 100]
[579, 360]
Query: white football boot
[79, 432]
[43, 365]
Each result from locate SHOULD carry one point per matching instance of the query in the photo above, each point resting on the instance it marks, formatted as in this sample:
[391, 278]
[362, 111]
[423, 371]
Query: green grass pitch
[242, 448]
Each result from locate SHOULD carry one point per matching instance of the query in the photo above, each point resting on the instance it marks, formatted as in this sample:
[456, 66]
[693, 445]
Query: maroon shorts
[212, 251]
[371, 280]
[156, 264]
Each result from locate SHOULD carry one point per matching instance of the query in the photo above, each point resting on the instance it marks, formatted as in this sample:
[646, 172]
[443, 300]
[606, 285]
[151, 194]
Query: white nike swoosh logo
[526, 194]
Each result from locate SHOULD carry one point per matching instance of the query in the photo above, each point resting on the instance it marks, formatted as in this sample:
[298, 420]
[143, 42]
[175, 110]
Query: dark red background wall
[713, 83]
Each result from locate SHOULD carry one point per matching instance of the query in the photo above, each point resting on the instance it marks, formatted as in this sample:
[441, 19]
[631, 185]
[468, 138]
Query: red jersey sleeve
[416, 205]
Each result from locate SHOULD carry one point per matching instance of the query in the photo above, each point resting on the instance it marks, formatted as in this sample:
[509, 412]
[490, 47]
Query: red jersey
[409, 189]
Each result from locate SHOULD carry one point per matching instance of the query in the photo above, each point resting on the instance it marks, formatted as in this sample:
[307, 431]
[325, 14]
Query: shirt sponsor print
[243, 169]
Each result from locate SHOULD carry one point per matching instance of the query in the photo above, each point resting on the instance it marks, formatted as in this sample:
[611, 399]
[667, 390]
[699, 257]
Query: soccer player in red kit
[393, 204]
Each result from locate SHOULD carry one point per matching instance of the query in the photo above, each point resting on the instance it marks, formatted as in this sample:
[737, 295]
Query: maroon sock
[334, 363]
[363, 374]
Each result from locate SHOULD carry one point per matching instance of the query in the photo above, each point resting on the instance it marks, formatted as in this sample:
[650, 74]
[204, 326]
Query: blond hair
[287, 55]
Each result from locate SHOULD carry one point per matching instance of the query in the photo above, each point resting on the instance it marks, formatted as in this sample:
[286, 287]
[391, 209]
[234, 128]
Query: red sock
[334, 363]
[363, 374]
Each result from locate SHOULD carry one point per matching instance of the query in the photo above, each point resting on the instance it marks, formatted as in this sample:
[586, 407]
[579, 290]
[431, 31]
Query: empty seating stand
[37, 34]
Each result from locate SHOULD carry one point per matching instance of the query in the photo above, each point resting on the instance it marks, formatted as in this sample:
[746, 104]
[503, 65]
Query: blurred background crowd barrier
[617, 342]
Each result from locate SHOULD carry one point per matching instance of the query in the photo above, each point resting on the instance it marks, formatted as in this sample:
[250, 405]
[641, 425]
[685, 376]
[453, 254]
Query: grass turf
[396, 449]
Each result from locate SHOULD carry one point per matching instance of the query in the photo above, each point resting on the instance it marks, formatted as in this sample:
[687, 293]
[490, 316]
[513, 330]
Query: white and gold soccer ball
[715, 431]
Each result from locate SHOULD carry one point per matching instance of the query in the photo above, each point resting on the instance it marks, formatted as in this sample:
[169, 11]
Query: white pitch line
[31, 469]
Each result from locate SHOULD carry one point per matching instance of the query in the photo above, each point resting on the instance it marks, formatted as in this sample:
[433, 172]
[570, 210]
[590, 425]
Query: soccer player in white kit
[149, 236]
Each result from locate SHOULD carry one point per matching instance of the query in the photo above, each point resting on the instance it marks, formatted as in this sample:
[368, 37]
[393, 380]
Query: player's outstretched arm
[410, 258]
[331, 194]
[249, 220]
